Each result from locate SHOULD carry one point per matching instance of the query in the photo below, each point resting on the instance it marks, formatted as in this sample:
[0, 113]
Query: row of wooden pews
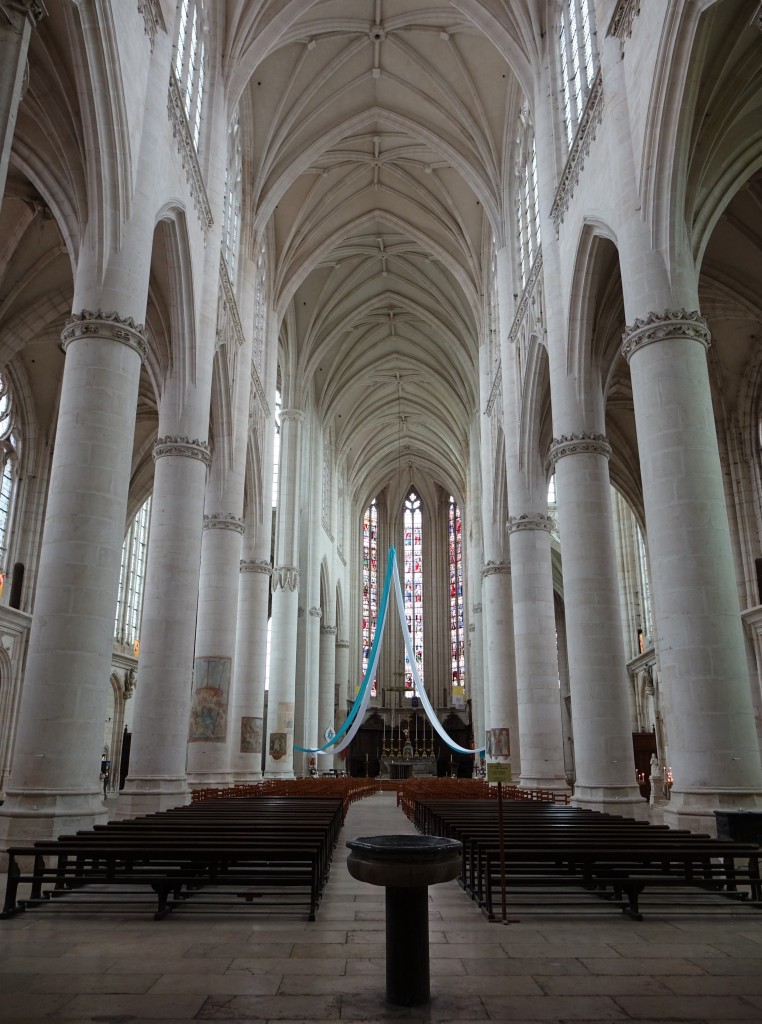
[411, 790]
[556, 856]
[262, 852]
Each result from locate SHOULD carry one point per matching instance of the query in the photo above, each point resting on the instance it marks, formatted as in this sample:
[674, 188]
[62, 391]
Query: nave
[64, 967]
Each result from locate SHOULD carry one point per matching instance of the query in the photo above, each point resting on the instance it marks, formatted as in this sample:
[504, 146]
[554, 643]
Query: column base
[148, 796]
[270, 774]
[47, 814]
[694, 809]
[624, 800]
[242, 778]
[558, 784]
[206, 780]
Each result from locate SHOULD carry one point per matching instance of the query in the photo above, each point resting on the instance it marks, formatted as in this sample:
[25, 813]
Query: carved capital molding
[496, 390]
[182, 135]
[577, 444]
[328, 631]
[477, 609]
[255, 565]
[31, 10]
[224, 521]
[625, 12]
[343, 644]
[297, 415]
[588, 125]
[530, 521]
[184, 447]
[152, 18]
[316, 613]
[496, 568]
[109, 327]
[667, 326]
[471, 627]
[285, 577]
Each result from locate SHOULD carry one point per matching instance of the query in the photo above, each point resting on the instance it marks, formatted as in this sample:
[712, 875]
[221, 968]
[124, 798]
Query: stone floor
[118, 969]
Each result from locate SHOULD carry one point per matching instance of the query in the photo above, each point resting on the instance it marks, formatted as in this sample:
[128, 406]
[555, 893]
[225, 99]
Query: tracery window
[129, 606]
[457, 639]
[370, 594]
[9, 446]
[412, 525]
[578, 60]
[527, 199]
[231, 209]
[191, 60]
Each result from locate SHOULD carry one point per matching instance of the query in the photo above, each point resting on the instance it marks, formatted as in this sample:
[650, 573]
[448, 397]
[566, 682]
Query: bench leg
[11, 906]
[633, 890]
[163, 908]
[39, 877]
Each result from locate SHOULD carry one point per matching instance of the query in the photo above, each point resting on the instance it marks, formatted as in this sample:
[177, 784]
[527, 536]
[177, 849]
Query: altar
[407, 767]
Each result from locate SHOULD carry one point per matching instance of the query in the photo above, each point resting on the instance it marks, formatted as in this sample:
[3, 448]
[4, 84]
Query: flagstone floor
[119, 969]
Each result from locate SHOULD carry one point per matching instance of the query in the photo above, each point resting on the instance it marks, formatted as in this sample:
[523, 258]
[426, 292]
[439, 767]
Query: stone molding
[33, 10]
[297, 415]
[108, 326]
[529, 521]
[477, 609]
[577, 444]
[182, 446]
[625, 12]
[152, 18]
[224, 521]
[471, 627]
[586, 129]
[285, 577]
[526, 295]
[231, 306]
[493, 568]
[255, 565]
[344, 644]
[182, 135]
[496, 390]
[328, 631]
[316, 613]
[672, 324]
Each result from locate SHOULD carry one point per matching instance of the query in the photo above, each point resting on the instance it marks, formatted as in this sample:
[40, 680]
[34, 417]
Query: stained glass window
[370, 595]
[9, 453]
[129, 607]
[578, 60]
[412, 524]
[190, 62]
[527, 199]
[457, 638]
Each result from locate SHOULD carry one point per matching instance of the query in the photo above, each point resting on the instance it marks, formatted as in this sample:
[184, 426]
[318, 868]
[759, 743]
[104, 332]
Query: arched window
[578, 59]
[527, 198]
[190, 61]
[9, 445]
[129, 606]
[412, 526]
[370, 594]
[231, 209]
[457, 639]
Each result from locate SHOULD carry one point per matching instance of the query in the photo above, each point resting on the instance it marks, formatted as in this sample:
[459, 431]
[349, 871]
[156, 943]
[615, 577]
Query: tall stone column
[53, 786]
[156, 778]
[17, 19]
[246, 728]
[605, 770]
[207, 762]
[534, 631]
[503, 738]
[279, 762]
[704, 678]
[326, 716]
[342, 692]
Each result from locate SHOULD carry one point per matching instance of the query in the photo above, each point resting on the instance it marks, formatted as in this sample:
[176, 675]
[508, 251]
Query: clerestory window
[231, 209]
[190, 62]
[129, 607]
[527, 199]
[578, 59]
[9, 451]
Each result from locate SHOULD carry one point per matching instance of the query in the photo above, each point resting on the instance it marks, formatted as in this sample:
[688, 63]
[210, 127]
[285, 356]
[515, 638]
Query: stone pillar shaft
[703, 669]
[326, 717]
[53, 785]
[245, 730]
[499, 658]
[342, 691]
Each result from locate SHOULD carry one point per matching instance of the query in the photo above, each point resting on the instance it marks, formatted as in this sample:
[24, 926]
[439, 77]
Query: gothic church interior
[285, 283]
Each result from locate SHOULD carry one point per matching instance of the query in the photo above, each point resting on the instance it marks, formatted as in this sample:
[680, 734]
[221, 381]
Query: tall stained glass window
[413, 534]
[370, 595]
[457, 640]
[9, 455]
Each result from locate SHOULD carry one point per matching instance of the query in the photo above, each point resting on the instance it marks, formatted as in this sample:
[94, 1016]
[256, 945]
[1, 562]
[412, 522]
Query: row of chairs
[409, 791]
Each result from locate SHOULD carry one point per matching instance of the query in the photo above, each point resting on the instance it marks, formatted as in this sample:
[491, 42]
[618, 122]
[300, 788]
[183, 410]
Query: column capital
[577, 444]
[285, 577]
[297, 415]
[190, 448]
[672, 324]
[529, 521]
[493, 568]
[107, 326]
[344, 644]
[255, 565]
[328, 631]
[316, 613]
[224, 521]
